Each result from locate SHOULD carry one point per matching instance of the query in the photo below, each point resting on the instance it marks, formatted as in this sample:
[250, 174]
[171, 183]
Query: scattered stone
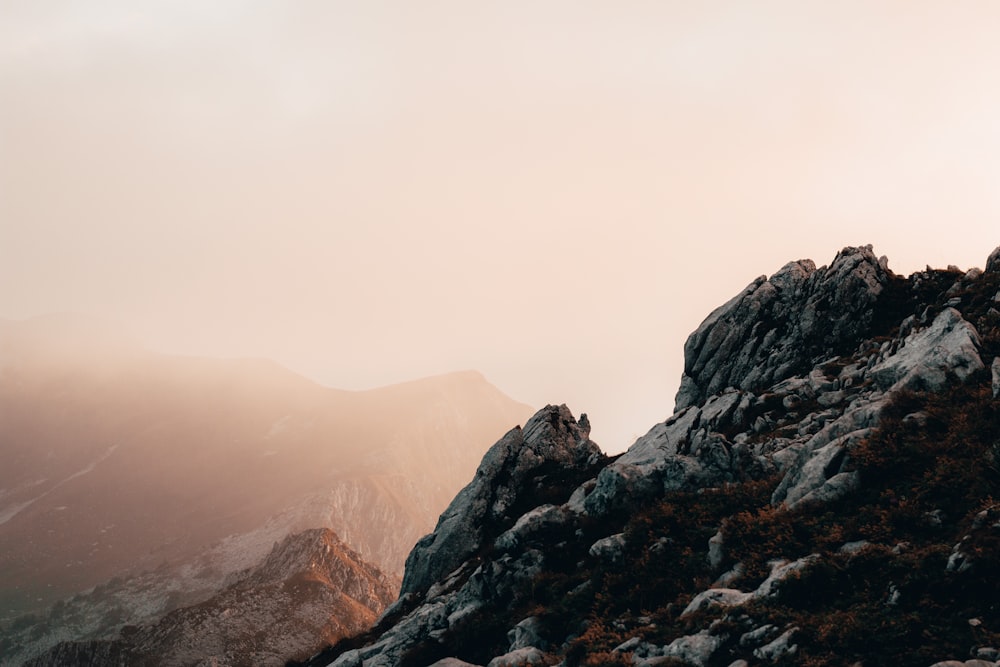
[894, 596]
[995, 370]
[527, 633]
[779, 647]
[716, 597]
[627, 645]
[781, 570]
[993, 261]
[696, 649]
[950, 346]
[959, 561]
[988, 653]
[758, 636]
[730, 576]
[935, 518]
[609, 549]
[853, 547]
[522, 657]
[715, 554]
[816, 466]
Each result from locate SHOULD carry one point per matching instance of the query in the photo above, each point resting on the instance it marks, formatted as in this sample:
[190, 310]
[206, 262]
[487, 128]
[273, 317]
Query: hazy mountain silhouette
[118, 460]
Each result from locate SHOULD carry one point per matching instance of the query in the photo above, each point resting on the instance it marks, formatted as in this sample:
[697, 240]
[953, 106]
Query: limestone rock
[610, 548]
[716, 597]
[522, 657]
[995, 370]
[551, 435]
[527, 633]
[781, 570]
[950, 346]
[817, 468]
[778, 648]
[778, 325]
[758, 635]
[715, 550]
[696, 649]
[993, 261]
[534, 523]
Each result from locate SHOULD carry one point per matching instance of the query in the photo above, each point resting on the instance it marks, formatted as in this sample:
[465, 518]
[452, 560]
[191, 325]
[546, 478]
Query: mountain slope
[823, 495]
[311, 589]
[141, 482]
[117, 460]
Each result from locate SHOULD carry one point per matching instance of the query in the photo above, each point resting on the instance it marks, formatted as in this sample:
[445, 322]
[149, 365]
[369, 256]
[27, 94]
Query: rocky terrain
[824, 494]
[310, 589]
[135, 483]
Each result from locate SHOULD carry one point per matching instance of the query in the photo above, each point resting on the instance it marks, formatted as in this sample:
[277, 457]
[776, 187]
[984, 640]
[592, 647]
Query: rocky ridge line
[786, 381]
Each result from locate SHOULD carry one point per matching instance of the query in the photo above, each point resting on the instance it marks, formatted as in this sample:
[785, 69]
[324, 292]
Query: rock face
[778, 326]
[834, 439]
[311, 590]
[551, 437]
[993, 262]
[925, 359]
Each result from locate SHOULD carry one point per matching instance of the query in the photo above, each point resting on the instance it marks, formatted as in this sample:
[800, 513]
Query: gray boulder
[696, 649]
[993, 261]
[995, 369]
[527, 633]
[926, 359]
[522, 657]
[609, 549]
[778, 648]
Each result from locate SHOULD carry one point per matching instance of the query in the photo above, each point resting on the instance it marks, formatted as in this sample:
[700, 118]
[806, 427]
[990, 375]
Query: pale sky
[554, 193]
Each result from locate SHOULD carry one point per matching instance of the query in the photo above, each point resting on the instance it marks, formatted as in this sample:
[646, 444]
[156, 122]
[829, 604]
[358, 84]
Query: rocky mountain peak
[823, 494]
[993, 261]
[552, 438]
[777, 326]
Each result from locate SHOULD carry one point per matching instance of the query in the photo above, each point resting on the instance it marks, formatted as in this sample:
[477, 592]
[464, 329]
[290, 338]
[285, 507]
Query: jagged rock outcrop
[551, 437]
[311, 590]
[812, 466]
[778, 326]
[950, 345]
[993, 262]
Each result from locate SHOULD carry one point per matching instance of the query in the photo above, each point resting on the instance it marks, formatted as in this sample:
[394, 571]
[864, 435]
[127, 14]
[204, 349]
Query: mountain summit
[822, 495]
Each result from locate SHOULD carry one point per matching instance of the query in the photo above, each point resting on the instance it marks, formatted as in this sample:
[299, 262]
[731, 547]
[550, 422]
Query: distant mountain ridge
[119, 461]
[309, 590]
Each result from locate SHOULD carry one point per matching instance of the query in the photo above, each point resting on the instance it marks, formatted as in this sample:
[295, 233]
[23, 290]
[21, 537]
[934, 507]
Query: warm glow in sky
[554, 193]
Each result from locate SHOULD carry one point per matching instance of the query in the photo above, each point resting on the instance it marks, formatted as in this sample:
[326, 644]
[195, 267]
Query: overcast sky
[554, 193]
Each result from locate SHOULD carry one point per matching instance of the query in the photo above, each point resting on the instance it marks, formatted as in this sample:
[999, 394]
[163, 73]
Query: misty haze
[388, 334]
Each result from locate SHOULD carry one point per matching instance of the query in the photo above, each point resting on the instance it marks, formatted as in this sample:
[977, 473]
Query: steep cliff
[823, 494]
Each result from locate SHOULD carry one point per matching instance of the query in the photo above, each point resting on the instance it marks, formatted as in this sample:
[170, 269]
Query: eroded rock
[775, 328]
[926, 359]
[552, 435]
